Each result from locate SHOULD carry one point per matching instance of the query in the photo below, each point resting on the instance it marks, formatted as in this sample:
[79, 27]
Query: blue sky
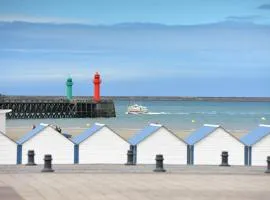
[174, 48]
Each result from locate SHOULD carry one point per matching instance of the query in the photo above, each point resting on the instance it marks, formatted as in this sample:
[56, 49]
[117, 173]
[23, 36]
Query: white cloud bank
[52, 51]
[37, 19]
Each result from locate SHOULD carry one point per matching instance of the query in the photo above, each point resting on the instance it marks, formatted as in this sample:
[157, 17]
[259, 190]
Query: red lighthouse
[97, 82]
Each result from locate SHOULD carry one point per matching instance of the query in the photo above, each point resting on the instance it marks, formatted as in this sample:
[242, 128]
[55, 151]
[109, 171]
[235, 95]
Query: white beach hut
[207, 143]
[3, 120]
[44, 139]
[257, 146]
[100, 145]
[8, 150]
[157, 139]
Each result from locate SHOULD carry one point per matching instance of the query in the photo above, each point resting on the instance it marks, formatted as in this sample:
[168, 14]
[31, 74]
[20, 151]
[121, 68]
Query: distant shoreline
[150, 98]
[180, 98]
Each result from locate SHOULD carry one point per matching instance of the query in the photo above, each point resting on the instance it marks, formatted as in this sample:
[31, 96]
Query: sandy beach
[16, 132]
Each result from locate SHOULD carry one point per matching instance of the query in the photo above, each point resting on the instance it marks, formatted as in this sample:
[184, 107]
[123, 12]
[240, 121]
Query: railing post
[129, 157]
[224, 159]
[47, 163]
[31, 158]
[159, 163]
[268, 165]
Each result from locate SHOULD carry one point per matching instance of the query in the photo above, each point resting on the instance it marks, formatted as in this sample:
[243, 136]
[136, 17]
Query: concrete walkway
[141, 169]
[9, 194]
[119, 182]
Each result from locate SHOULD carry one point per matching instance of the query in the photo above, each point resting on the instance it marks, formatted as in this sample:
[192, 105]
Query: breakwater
[35, 107]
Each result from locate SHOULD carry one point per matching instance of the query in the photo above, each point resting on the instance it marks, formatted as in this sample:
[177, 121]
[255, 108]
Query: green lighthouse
[69, 84]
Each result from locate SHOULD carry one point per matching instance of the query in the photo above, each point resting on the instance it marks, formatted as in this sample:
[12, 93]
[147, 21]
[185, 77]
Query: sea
[174, 114]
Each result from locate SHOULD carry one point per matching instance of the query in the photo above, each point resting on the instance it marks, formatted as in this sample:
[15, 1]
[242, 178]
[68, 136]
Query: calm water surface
[174, 114]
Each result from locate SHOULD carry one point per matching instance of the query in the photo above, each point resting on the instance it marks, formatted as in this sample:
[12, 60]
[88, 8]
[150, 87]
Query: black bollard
[129, 157]
[268, 164]
[224, 159]
[159, 163]
[31, 158]
[47, 163]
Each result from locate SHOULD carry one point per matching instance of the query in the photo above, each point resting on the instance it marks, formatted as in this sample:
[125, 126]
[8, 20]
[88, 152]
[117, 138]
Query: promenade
[121, 182]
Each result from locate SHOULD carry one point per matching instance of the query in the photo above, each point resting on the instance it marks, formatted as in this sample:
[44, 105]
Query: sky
[140, 48]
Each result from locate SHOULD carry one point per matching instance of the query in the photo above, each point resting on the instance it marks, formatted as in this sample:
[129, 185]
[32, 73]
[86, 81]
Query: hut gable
[45, 139]
[3, 120]
[157, 139]
[31, 134]
[100, 145]
[207, 143]
[144, 133]
[204, 132]
[201, 133]
[89, 132]
[8, 150]
[148, 131]
[257, 145]
[3, 135]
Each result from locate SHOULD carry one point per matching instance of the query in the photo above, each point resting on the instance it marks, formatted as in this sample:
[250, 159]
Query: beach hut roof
[31, 133]
[6, 136]
[89, 132]
[256, 135]
[36, 131]
[146, 132]
[201, 133]
[3, 111]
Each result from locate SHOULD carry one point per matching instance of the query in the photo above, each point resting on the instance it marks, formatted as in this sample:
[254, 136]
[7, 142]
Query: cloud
[53, 51]
[50, 54]
[264, 7]
[58, 72]
[36, 19]
[52, 72]
[248, 18]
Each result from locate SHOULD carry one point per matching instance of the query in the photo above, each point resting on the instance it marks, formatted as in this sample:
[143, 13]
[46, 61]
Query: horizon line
[228, 22]
[140, 96]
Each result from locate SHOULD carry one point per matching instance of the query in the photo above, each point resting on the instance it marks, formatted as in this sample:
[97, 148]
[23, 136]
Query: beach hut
[3, 120]
[257, 145]
[99, 144]
[207, 143]
[157, 139]
[45, 139]
[8, 150]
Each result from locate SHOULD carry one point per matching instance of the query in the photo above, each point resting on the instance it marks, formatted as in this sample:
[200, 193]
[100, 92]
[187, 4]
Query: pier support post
[224, 159]
[268, 165]
[129, 157]
[159, 163]
[47, 163]
[31, 158]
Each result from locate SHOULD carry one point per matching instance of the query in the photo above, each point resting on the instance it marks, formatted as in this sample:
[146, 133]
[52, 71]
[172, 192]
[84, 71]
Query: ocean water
[176, 115]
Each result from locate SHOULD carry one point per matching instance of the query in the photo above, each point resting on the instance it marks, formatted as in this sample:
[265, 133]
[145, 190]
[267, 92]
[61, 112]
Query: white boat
[136, 109]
